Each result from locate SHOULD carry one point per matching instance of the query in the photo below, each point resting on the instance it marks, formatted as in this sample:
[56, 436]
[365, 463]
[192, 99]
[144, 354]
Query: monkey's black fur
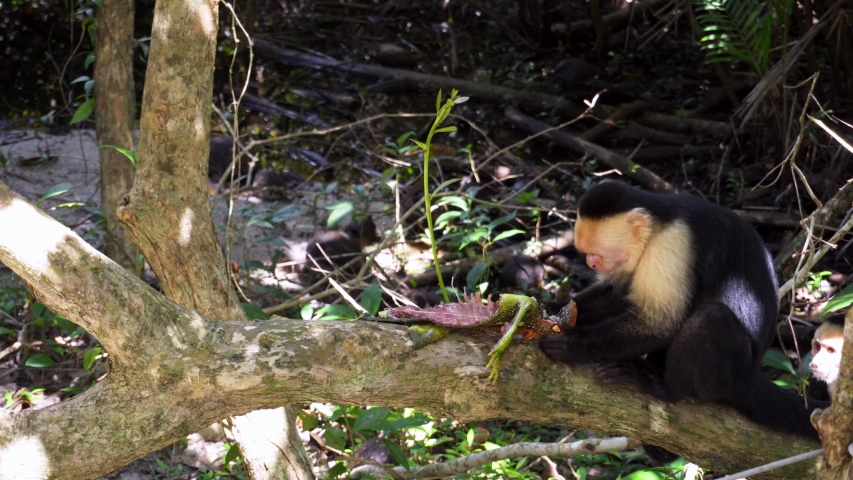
[713, 353]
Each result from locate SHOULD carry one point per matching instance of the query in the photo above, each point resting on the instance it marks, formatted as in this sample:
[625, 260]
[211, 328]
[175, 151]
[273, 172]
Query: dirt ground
[36, 162]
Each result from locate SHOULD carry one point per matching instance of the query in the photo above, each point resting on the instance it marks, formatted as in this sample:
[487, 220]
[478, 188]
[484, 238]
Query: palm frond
[737, 30]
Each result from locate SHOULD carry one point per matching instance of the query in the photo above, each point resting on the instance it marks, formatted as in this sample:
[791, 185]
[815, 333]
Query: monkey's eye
[830, 350]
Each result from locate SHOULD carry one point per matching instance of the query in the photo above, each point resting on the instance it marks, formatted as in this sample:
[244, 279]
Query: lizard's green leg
[423, 335]
[524, 307]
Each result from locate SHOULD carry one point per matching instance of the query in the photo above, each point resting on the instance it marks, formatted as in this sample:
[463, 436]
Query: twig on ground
[466, 463]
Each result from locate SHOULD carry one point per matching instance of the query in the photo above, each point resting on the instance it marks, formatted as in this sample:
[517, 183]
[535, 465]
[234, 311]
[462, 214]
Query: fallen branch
[483, 91]
[628, 168]
[663, 153]
[774, 219]
[636, 131]
[614, 21]
[609, 124]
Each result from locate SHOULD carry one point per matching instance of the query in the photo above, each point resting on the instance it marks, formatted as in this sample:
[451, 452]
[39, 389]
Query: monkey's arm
[599, 303]
[619, 337]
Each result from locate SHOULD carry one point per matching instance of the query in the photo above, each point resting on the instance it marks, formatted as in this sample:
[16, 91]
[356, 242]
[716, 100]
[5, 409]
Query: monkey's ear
[640, 223]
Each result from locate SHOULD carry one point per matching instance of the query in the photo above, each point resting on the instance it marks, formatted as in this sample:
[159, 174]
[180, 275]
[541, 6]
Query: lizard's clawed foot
[495, 364]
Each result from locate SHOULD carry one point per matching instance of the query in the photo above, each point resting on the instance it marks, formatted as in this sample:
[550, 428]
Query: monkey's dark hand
[556, 347]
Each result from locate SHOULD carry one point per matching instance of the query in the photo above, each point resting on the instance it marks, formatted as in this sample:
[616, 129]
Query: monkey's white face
[827, 358]
[610, 244]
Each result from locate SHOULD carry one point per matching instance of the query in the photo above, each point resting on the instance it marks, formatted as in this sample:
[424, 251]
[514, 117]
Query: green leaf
[90, 356]
[339, 211]
[232, 454]
[273, 241]
[476, 274]
[130, 154]
[456, 201]
[447, 217]
[253, 312]
[55, 190]
[501, 220]
[335, 437]
[286, 212]
[372, 420]
[645, 475]
[7, 331]
[309, 422]
[338, 470]
[784, 384]
[371, 298]
[336, 312]
[40, 361]
[442, 115]
[506, 234]
[83, 111]
[842, 299]
[415, 420]
[438, 101]
[259, 220]
[401, 140]
[446, 129]
[307, 312]
[64, 324]
[397, 453]
[422, 145]
[776, 359]
[473, 236]
[445, 185]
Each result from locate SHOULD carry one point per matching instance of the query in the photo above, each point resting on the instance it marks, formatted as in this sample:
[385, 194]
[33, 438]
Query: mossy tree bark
[168, 211]
[174, 371]
[114, 119]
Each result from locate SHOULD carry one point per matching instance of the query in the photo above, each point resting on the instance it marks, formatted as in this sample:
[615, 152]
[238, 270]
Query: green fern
[739, 29]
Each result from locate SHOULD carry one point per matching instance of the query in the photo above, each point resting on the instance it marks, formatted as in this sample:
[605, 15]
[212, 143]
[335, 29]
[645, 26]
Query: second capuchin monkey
[685, 303]
[826, 351]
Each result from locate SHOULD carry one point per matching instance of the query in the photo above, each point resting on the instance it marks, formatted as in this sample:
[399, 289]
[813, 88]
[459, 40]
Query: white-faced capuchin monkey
[826, 351]
[685, 303]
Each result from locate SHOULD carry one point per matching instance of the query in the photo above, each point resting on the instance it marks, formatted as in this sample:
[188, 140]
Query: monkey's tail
[779, 409]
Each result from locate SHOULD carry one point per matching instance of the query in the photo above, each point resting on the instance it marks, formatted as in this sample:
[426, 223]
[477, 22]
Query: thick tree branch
[183, 371]
[80, 283]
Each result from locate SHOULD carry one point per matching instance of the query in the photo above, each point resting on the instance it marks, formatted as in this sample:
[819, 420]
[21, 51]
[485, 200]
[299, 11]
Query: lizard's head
[567, 318]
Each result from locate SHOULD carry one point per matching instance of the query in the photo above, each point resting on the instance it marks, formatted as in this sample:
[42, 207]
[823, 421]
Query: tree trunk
[168, 211]
[268, 434]
[114, 119]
